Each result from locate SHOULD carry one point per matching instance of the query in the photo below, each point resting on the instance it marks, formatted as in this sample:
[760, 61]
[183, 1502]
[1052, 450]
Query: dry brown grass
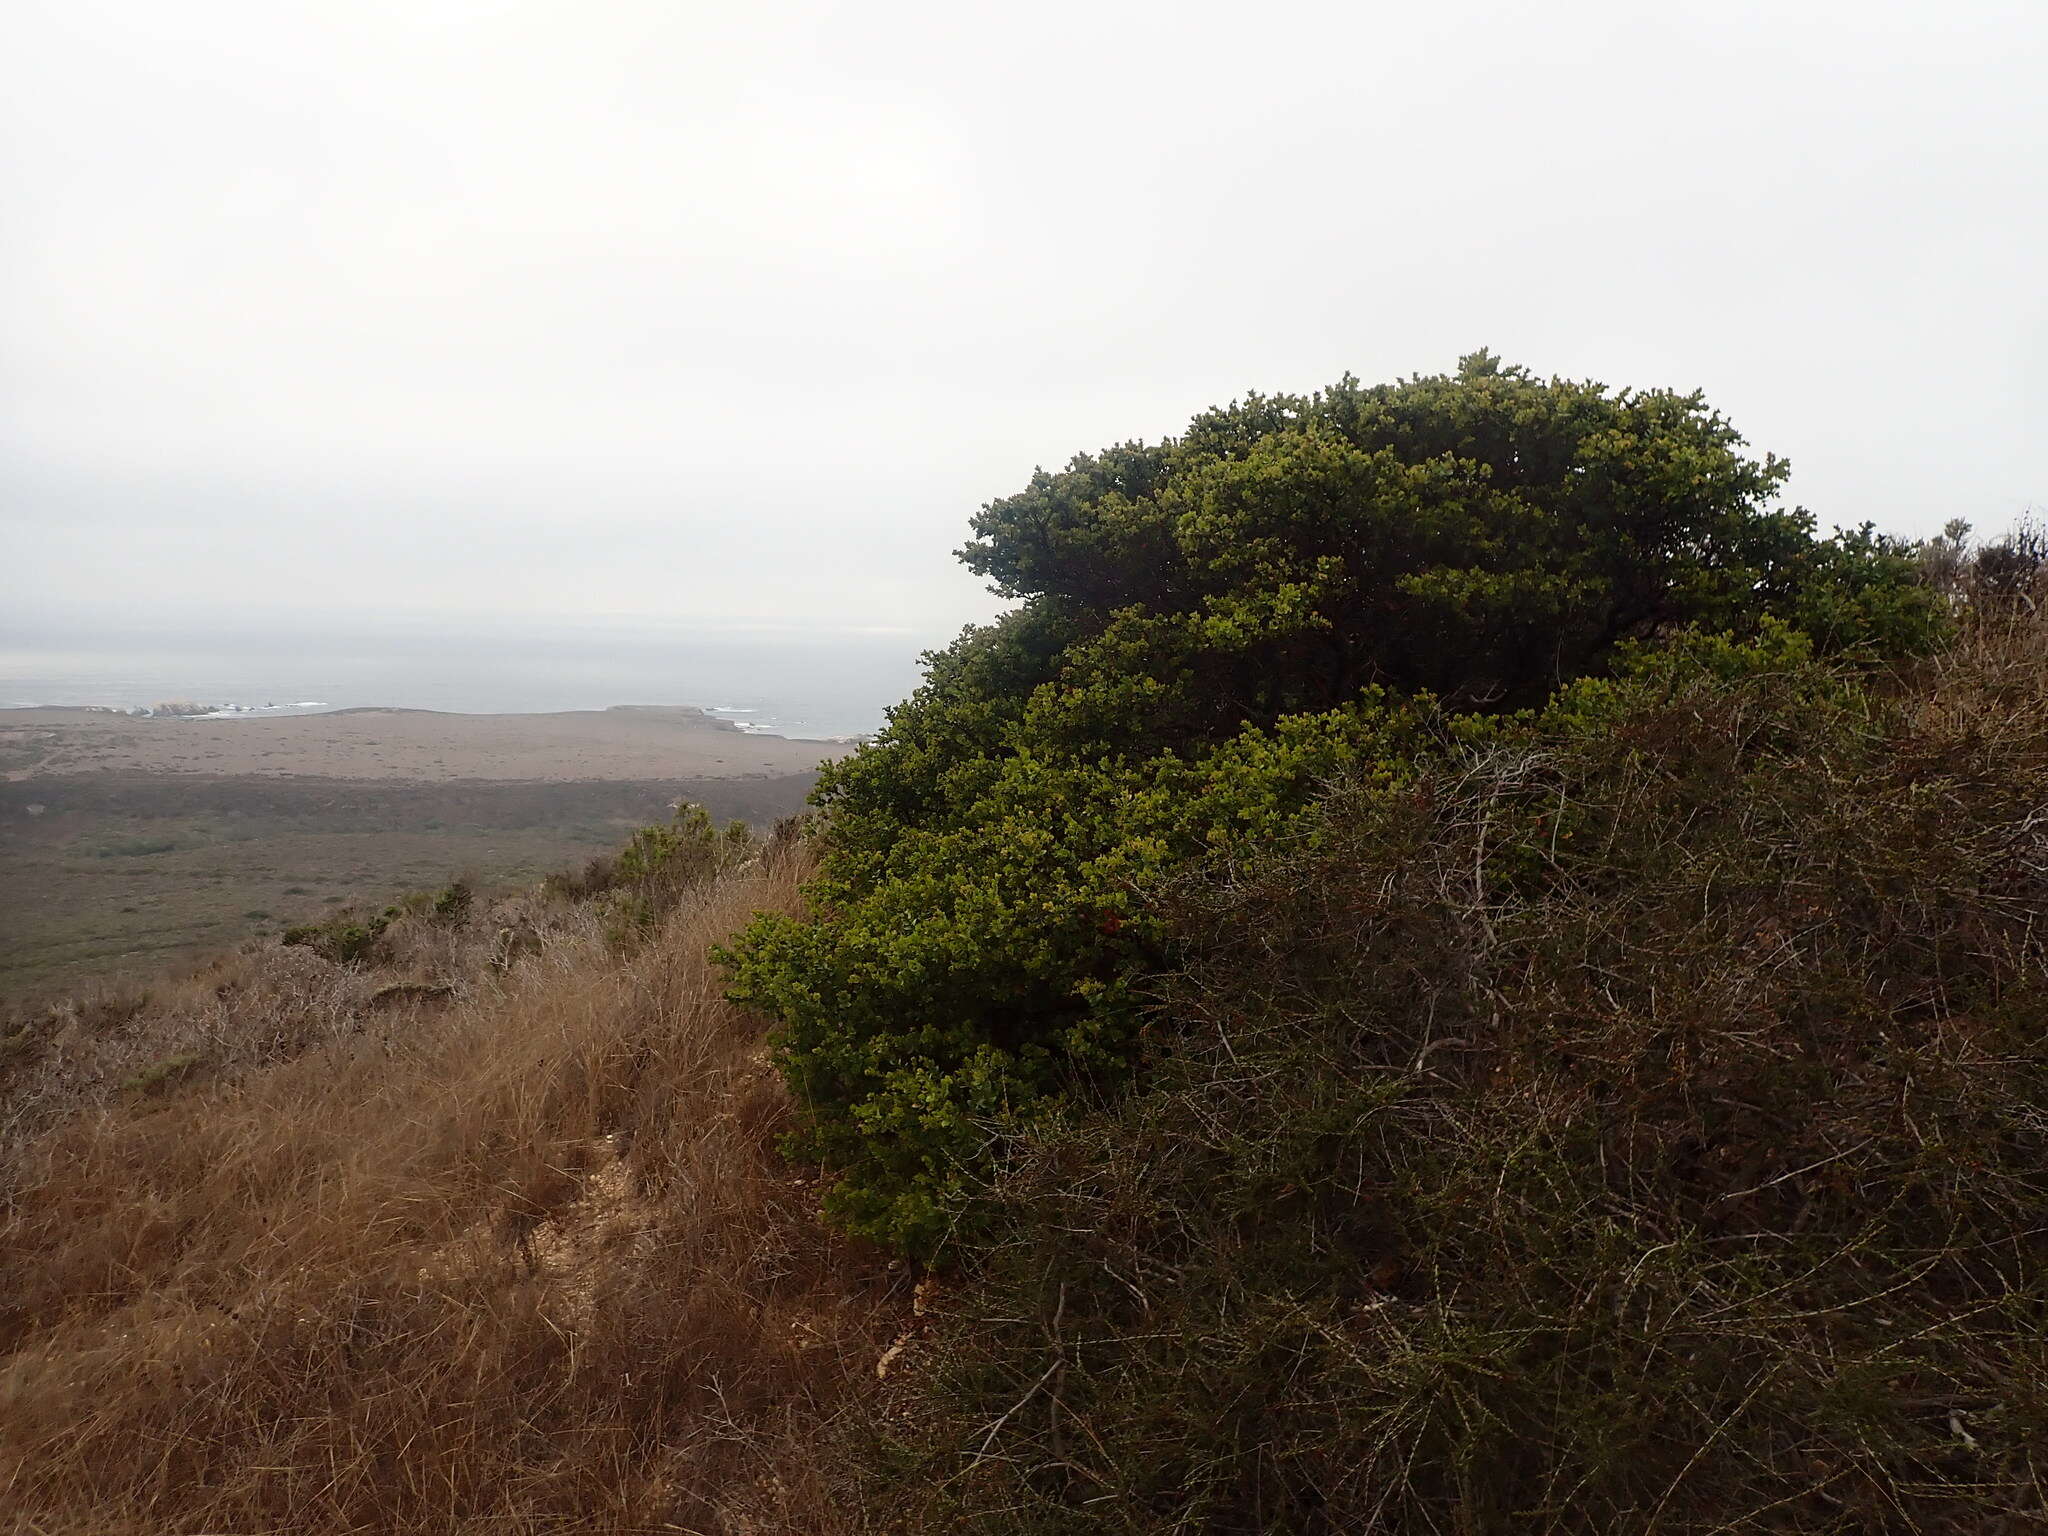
[522, 1261]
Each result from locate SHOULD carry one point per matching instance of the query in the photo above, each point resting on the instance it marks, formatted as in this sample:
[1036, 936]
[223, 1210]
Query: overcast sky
[735, 313]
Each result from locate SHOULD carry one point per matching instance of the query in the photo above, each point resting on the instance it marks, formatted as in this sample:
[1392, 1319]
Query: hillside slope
[485, 1232]
[1454, 966]
[1635, 1123]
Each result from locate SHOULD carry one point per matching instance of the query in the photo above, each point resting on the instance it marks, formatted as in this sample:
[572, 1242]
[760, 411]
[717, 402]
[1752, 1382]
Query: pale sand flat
[625, 743]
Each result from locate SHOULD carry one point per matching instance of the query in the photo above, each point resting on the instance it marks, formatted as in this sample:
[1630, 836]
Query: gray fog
[731, 315]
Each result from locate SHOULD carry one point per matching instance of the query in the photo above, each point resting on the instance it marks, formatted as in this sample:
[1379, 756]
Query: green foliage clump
[1630, 1120]
[347, 937]
[344, 938]
[648, 878]
[452, 902]
[1209, 629]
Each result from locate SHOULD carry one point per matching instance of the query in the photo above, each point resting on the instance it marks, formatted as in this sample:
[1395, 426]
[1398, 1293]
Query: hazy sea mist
[794, 682]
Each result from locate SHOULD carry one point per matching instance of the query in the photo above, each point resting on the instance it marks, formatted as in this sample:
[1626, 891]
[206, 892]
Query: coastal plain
[418, 745]
[127, 843]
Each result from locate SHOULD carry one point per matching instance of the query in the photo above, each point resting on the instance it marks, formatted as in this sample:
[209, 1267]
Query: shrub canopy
[1208, 628]
[1633, 1121]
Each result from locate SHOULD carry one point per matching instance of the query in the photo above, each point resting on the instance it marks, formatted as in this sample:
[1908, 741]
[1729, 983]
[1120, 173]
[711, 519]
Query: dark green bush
[1632, 1120]
[343, 938]
[1209, 629]
[452, 902]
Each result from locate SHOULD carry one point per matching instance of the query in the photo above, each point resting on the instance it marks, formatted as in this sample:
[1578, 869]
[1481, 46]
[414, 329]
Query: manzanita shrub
[1208, 629]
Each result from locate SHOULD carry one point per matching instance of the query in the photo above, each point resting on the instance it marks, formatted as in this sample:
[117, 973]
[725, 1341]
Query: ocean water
[811, 684]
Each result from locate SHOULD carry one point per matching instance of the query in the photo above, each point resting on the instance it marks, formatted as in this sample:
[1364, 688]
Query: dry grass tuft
[524, 1259]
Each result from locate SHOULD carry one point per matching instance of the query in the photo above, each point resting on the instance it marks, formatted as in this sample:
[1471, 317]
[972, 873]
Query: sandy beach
[423, 746]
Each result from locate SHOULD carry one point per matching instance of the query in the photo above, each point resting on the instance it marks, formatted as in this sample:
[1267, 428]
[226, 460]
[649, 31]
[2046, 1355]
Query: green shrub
[1209, 628]
[1630, 1120]
[452, 902]
[346, 937]
[658, 866]
[343, 938]
[448, 905]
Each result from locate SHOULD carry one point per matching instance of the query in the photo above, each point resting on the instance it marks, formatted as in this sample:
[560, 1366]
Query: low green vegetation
[73, 917]
[645, 880]
[657, 867]
[135, 847]
[342, 938]
[347, 937]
